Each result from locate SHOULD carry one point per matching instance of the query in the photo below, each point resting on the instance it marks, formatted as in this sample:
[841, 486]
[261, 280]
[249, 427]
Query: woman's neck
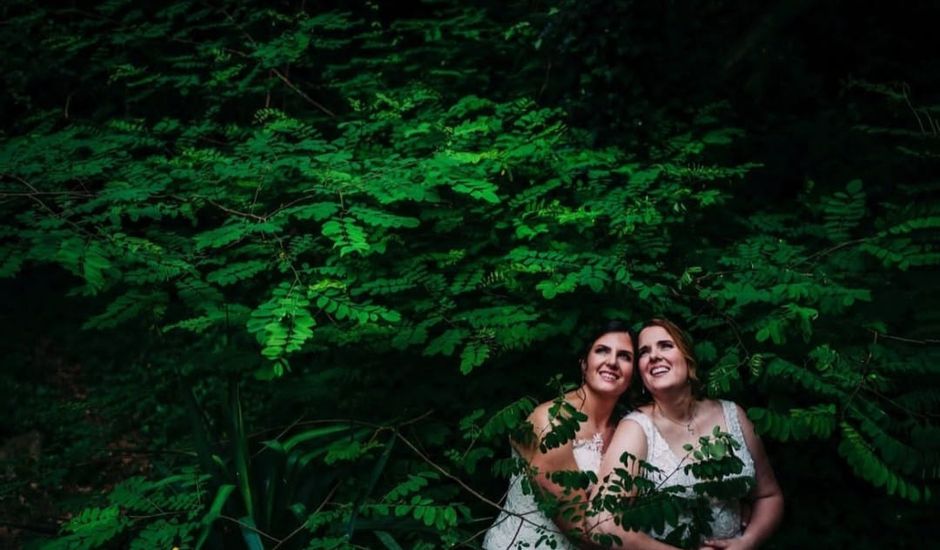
[678, 406]
[598, 408]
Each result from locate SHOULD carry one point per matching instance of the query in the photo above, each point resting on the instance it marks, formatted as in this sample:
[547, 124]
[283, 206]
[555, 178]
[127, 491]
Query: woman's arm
[558, 459]
[628, 438]
[767, 505]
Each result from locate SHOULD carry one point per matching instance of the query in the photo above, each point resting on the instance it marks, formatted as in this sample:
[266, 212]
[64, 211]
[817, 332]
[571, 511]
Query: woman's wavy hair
[683, 341]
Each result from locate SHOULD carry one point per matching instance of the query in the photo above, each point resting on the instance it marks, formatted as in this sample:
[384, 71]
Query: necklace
[688, 425]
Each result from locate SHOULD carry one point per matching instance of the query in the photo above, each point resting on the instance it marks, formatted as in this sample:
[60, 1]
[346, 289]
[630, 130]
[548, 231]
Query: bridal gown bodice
[726, 515]
[521, 524]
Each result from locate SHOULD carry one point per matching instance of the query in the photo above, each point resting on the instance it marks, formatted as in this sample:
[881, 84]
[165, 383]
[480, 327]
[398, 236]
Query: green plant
[394, 212]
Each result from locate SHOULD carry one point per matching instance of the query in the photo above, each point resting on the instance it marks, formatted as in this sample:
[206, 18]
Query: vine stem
[408, 443]
[34, 195]
[923, 342]
[469, 489]
[304, 524]
[830, 250]
[159, 515]
[445, 473]
[276, 72]
[250, 527]
[301, 93]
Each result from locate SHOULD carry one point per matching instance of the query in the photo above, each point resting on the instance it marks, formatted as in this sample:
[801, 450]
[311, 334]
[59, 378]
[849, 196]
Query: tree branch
[309, 99]
[252, 528]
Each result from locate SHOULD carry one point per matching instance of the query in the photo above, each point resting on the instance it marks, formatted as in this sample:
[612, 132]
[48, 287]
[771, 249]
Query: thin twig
[416, 419]
[160, 515]
[417, 451]
[236, 212]
[923, 342]
[289, 428]
[309, 99]
[901, 407]
[905, 88]
[830, 250]
[48, 193]
[847, 402]
[288, 205]
[304, 524]
[278, 73]
[445, 473]
[35, 197]
[548, 72]
[349, 421]
[141, 451]
[251, 527]
[254, 199]
[221, 207]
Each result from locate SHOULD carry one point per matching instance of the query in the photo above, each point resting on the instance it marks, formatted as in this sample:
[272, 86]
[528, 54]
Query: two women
[662, 431]
[659, 433]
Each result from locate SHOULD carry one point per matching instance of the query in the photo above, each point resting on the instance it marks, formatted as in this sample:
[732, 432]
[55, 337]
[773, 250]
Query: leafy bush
[383, 220]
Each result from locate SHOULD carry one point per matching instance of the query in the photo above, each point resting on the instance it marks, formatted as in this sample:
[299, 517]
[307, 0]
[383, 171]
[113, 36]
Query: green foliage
[564, 420]
[391, 213]
[283, 323]
[175, 500]
[94, 527]
[650, 502]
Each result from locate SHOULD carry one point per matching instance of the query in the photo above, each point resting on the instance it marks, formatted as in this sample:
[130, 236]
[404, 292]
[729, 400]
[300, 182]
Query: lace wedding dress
[726, 515]
[521, 524]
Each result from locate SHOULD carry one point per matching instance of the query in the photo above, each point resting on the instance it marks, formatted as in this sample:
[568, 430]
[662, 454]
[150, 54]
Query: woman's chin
[614, 389]
[663, 387]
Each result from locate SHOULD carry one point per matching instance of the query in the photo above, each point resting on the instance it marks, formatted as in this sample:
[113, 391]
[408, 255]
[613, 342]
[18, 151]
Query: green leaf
[477, 189]
[213, 513]
[474, 354]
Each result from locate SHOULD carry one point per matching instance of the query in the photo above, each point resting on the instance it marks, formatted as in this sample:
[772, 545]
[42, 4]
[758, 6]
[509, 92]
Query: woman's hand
[738, 543]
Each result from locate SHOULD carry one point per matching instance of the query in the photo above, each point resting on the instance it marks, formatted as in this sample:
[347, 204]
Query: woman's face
[661, 363]
[609, 364]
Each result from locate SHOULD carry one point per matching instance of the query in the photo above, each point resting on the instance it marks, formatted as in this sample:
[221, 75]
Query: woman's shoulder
[642, 410]
[633, 434]
[730, 407]
[543, 413]
[735, 416]
[641, 417]
[546, 416]
[717, 407]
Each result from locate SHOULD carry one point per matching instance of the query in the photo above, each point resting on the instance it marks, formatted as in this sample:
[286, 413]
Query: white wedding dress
[726, 515]
[521, 525]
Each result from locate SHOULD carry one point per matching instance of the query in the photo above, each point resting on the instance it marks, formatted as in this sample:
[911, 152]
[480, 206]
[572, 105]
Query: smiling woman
[664, 431]
[607, 369]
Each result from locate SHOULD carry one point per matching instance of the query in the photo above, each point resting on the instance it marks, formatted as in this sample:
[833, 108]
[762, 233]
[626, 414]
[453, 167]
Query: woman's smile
[659, 370]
